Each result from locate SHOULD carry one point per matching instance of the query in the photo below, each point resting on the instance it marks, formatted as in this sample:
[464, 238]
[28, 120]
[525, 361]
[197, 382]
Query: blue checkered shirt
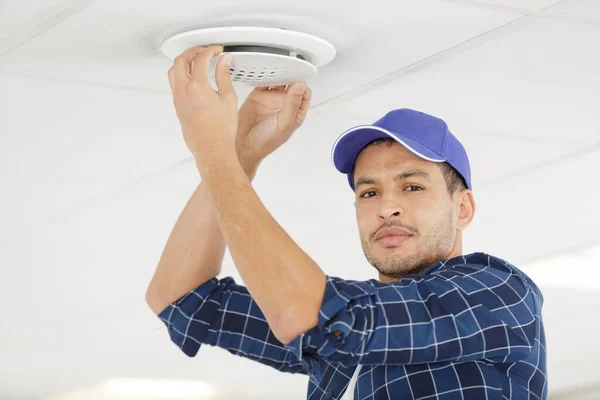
[466, 328]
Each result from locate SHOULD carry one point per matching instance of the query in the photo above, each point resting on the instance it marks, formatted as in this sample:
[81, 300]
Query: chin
[401, 262]
[402, 250]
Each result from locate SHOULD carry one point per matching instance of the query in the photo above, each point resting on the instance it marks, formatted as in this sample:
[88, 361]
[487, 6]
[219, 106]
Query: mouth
[392, 236]
[392, 240]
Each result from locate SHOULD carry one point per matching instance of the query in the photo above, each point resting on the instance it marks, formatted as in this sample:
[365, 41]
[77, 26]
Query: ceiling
[94, 171]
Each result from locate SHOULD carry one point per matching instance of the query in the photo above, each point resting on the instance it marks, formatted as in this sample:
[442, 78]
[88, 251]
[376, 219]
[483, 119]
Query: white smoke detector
[261, 56]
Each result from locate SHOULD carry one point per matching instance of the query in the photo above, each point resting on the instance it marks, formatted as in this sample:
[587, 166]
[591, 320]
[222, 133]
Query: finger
[202, 63]
[182, 64]
[293, 100]
[304, 106]
[171, 79]
[223, 77]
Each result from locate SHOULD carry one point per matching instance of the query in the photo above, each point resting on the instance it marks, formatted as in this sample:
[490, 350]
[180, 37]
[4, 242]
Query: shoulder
[470, 273]
[484, 270]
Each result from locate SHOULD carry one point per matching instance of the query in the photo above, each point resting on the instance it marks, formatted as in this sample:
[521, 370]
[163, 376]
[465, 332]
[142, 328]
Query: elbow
[154, 301]
[289, 327]
[150, 299]
[298, 315]
[286, 332]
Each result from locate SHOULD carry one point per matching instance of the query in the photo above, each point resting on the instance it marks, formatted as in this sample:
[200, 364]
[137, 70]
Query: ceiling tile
[18, 18]
[539, 212]
[69, 146]
[537, 80]
[580, 8]
[113, 45]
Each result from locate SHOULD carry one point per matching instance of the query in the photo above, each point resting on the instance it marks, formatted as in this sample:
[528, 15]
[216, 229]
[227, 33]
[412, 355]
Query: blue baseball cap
[424, 135]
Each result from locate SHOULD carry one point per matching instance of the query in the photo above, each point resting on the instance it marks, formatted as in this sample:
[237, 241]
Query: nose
[390, 208]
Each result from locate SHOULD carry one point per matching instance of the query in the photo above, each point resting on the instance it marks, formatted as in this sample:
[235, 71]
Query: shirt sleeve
[459, 313]
[221, 313]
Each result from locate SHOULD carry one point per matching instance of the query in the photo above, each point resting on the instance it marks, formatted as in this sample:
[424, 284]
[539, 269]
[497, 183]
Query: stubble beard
[430, 250]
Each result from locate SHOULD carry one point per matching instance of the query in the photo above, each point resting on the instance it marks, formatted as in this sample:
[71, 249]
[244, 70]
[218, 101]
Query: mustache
[395, 224]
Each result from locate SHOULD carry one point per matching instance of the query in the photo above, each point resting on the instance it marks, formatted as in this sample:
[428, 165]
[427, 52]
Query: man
[437, 324]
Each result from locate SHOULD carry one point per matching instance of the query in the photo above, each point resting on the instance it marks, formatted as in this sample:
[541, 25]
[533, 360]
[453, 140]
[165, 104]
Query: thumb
[223, 76]
[293, 99]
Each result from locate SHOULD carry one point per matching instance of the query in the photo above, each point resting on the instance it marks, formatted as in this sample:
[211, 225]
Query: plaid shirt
[466, 328]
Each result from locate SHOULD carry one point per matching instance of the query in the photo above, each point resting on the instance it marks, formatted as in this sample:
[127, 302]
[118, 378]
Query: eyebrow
[367, 180]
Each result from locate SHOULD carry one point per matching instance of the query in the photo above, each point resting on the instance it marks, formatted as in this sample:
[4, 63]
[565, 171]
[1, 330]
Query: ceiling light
[261, 56]
[143, 389]
[158, 389]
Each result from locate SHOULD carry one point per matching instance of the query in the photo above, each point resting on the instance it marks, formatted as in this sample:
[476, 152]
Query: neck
[457, 249]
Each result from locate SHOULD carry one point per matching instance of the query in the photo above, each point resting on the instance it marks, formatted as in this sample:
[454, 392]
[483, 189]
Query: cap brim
[350, 143]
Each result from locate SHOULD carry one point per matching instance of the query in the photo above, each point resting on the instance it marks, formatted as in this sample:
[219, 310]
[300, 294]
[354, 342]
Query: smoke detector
[261, 56]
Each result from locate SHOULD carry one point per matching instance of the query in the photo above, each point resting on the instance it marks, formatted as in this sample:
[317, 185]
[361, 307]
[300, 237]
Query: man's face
[396, 189]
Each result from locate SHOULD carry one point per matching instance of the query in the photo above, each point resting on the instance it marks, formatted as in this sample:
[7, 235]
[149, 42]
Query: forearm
[193, 253]
[286, 283]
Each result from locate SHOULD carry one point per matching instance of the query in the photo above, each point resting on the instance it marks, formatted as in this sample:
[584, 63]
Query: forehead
[383, 155]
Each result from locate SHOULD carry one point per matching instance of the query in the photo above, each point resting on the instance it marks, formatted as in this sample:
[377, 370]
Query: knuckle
[192, 50]
[180, 90]
[195, 85]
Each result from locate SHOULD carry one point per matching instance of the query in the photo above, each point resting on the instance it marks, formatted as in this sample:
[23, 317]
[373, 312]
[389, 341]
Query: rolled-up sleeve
[222, 313]
[455, 314]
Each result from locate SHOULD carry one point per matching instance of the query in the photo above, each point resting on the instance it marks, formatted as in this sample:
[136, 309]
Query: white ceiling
[94, 171]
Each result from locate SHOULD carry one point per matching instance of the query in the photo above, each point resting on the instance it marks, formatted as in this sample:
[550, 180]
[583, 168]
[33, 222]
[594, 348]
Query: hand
[207, 117]
[267, 119]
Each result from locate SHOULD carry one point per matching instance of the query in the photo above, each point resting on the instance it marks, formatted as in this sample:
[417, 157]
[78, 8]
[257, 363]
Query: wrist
[212, 154]
[249, 164]
[249, 167]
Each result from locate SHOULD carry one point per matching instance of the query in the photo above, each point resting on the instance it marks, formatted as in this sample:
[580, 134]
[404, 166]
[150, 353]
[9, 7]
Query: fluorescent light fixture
[578, 269]
[158, 389]
[143, 389]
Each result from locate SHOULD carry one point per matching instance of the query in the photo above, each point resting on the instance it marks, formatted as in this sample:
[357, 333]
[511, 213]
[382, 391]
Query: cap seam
[444, 140]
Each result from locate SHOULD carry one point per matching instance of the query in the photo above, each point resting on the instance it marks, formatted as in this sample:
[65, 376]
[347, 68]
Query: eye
[368, 191]
[414, 188]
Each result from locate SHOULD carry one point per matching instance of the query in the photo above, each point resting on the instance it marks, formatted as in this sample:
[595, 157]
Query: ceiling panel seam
[441, 55]
[584, 150]
[110, 193]
[24, 74]
[533, 15]
[36, 28]
[472, 131]
[560, 16]
[546, 11]
[566, 251]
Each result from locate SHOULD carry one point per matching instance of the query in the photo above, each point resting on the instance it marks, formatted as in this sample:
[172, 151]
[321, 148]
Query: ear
[467, 208]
